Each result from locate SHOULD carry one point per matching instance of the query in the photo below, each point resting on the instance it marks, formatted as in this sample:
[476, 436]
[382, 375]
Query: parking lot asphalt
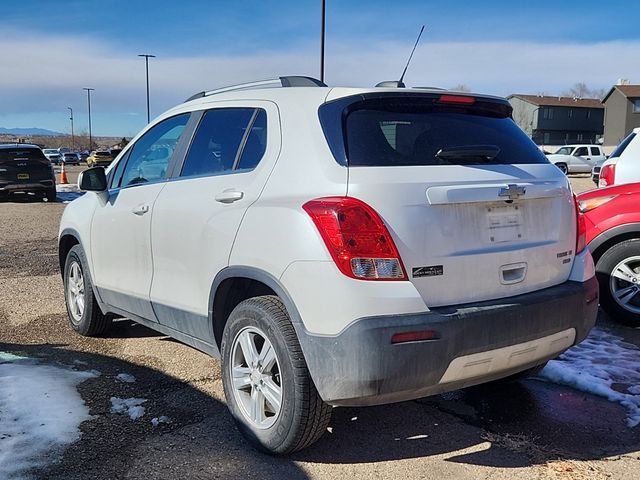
[529, 429]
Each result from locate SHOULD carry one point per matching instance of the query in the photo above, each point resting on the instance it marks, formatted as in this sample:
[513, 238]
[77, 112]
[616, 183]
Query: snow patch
[129, 406]
[126, 377]
[604, 365]
[40, 411]
[158, 420]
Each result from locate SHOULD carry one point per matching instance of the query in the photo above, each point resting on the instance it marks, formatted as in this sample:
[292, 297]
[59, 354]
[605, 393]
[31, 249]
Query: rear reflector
[457, 99]
[356, 238]
[419, 336]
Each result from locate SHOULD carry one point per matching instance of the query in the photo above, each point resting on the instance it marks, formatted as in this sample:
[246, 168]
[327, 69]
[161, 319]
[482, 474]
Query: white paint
[40, 411]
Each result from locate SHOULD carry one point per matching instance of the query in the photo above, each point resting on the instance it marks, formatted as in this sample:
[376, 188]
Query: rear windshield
[395, 138]
[9, 154]
[623, 145]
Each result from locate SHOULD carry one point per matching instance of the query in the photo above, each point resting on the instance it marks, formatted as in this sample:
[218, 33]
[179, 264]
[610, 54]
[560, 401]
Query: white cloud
[44, 74]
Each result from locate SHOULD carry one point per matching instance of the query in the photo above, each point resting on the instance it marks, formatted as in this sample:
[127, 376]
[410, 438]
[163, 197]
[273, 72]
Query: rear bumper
[476, 343]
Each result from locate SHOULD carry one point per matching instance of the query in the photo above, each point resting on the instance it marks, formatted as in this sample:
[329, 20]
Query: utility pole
[146, 63]
[322, 24]
[89, 105]
[73, 140]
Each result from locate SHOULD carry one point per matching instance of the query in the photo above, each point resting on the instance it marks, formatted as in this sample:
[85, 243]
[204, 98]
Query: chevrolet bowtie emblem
[512, 191]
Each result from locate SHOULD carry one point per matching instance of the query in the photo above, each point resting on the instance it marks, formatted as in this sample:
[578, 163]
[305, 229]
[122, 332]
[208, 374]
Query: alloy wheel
[255, 377]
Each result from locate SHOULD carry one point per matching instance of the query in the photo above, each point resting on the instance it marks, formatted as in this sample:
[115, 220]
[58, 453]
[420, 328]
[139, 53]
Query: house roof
[548, 101]
[629, 91]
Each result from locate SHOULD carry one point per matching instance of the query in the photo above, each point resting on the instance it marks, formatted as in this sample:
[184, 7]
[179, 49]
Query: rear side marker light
[357, 238]
[457, 99]
[419, 336]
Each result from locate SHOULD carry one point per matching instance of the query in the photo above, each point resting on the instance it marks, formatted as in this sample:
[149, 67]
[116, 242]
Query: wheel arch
[607, 239]
[232, 285]
[68, 238]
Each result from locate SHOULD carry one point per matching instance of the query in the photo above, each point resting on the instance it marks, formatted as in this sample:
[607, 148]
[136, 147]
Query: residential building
[558, 120]
[622, 105]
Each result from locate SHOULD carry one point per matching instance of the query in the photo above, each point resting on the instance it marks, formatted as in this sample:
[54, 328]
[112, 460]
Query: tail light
[607, 175]
[581, 228]
[357, 239]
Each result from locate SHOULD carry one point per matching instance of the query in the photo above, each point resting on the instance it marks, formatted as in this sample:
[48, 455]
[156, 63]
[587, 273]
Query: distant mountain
[29, 131]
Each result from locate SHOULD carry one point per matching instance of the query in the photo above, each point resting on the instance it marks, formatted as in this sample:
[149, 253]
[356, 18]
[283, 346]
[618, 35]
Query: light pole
[146, 64]
[322, 23]
[73, 140]
[89, 105]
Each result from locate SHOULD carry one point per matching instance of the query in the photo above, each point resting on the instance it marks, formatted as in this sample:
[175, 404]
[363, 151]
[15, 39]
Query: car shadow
[23, 198]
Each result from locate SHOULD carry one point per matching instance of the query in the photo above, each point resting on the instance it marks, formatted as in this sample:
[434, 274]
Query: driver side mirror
[93, 180]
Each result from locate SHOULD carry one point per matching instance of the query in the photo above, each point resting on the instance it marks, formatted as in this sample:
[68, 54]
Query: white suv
[337, 246]
[623, 166]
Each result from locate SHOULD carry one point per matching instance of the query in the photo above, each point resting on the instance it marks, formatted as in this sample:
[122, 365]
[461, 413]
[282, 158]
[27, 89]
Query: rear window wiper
[469, 153]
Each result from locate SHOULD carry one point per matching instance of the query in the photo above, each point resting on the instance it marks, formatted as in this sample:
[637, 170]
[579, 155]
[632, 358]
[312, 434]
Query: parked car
[101, 158]
[83, 156]
[24, 168]
[613, 235]
[52, 154]
[337, 246]
[576, 158]
[71, 158]
[623, 166]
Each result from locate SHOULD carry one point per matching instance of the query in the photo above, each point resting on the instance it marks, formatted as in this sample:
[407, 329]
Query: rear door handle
[229, 196]
[140, 209]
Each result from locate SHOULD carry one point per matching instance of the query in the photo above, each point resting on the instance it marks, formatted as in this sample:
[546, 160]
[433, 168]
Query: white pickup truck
[576, 158]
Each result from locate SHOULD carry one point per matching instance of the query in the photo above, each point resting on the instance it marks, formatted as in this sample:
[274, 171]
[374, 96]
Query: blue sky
[53, 49]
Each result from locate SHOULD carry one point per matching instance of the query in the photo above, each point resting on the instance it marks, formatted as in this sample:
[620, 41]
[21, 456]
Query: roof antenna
[400, 82]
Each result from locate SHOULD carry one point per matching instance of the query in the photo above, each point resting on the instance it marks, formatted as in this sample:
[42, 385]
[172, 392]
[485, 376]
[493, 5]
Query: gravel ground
[525, 430]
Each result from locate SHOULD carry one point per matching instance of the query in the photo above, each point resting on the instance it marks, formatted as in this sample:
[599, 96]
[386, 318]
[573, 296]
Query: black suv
[24, 168]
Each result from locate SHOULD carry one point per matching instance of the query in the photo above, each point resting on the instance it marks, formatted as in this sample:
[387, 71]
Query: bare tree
[582, 90]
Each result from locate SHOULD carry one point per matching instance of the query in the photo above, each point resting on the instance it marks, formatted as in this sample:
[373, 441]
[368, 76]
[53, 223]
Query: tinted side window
[620, 148]
[215, 146]
[581, 152]
[595, 151]
[149, 157]
[256, 143]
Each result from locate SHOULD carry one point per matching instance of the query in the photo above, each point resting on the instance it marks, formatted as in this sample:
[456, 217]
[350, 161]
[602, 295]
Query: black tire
[51, 195]
[627, 252]
[563, 168]
[302, 417]
[90, 321]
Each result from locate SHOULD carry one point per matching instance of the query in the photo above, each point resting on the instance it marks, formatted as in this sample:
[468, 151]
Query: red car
[612, 218]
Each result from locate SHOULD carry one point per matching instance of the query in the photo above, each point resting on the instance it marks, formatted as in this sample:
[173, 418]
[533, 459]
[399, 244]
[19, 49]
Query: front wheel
[618, 271]
[268, 388]
[563, 167]
[85, 315]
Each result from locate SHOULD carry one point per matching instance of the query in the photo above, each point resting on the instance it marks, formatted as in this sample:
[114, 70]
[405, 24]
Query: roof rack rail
[286, 81]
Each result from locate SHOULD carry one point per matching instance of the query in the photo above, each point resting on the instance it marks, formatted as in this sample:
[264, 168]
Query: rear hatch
[477, 212]
[23, 165]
